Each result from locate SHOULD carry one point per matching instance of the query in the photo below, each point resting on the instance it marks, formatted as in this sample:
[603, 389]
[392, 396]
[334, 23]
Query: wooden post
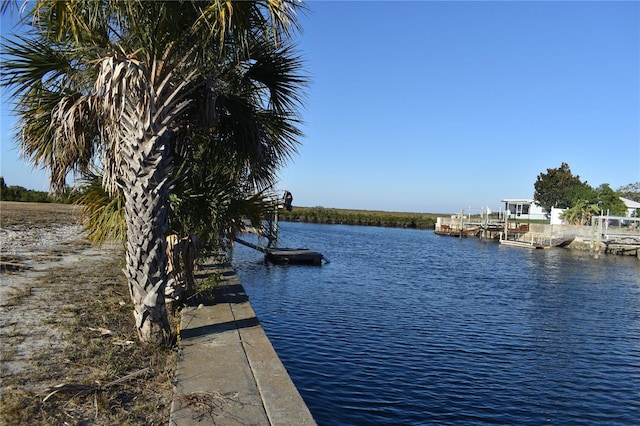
[598, 237]
[506, 225]
[275, 223]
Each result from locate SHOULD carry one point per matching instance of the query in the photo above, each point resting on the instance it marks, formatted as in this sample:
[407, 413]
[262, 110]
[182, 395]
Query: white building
[632, 206]
[524, 208]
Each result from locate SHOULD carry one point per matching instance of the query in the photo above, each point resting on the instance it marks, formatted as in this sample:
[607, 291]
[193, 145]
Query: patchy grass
[101, 349]
[69, 349]
[204, 290]
[69, 353]
[16, 296]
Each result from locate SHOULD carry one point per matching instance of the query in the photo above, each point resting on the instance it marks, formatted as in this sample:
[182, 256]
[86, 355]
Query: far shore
[324, 215]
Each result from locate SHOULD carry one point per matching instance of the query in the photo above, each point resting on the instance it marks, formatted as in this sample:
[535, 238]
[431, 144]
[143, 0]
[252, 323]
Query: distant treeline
[359, 217]
[19, 193]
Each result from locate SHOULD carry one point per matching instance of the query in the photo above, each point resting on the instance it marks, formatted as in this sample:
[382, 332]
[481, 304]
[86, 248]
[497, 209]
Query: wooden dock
[287, 256]
[622, 244]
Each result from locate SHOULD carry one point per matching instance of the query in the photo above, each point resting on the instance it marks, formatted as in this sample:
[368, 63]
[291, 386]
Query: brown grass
[69, 350]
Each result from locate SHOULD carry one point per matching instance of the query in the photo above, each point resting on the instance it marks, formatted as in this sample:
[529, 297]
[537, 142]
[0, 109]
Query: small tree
[580, 213]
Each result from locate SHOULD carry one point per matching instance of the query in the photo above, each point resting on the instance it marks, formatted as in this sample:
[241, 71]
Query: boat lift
[277, 255]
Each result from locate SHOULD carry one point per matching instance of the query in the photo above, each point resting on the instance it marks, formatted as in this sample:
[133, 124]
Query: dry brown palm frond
[80, 389]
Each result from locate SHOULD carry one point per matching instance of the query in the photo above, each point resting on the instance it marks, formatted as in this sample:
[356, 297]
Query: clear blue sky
[430, 106]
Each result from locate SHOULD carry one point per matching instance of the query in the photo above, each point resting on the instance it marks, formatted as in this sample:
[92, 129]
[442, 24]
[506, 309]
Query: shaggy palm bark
[146, 200]
[138, 117]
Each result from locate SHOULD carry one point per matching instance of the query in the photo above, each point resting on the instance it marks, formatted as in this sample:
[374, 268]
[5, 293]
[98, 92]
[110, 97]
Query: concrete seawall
[228, 372]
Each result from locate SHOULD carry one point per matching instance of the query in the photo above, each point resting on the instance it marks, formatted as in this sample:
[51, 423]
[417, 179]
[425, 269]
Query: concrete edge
[281, 399]
[210, 363]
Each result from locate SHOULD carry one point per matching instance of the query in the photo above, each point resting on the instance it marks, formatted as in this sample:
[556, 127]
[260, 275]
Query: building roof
[518, 200]
[630, 203]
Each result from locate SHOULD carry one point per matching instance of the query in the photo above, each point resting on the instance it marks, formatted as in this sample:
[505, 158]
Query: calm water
[406, 327]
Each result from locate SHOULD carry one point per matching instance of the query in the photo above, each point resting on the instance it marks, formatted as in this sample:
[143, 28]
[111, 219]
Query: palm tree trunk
[138, 159]
[146, 193]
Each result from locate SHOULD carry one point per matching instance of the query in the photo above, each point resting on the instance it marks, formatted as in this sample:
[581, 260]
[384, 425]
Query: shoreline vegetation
[333, 216]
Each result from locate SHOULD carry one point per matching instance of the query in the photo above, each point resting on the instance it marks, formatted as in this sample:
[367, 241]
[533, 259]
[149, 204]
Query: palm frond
[221, 20]
[76, 21]
[278, 69]
[102, 214]
[32, 61]
[8, 5]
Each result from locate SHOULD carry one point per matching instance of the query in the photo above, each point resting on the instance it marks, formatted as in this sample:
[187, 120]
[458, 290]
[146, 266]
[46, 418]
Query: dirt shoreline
[65, 318]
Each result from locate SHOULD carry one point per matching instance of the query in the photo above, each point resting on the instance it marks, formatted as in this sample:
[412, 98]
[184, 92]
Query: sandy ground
[35, 240]
[66, 319]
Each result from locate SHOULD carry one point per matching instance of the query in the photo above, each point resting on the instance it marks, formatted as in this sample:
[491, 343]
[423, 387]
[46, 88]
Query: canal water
[404, 327]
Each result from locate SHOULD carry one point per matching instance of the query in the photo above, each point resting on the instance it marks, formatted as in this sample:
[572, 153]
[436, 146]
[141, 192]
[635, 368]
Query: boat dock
[287, 256]
[449, 231]
[622, 244]
[607, 234]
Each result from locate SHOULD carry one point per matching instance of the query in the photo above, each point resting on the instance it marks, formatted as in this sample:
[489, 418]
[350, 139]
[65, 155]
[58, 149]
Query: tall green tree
[126, 82]
[560, 188]
[603, 200]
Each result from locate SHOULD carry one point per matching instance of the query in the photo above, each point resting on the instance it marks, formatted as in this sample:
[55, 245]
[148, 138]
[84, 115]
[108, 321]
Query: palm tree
[220, 176]
[126, 82]
[581, 212]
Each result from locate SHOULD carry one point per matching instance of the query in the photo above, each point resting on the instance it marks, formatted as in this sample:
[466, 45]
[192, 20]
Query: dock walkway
[228, 372]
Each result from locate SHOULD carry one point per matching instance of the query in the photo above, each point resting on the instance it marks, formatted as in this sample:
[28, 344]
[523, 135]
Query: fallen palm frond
[80, 389]
[206, 402]
[12, 266]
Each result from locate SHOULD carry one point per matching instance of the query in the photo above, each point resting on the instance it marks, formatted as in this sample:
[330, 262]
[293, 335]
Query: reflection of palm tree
[127, 82]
